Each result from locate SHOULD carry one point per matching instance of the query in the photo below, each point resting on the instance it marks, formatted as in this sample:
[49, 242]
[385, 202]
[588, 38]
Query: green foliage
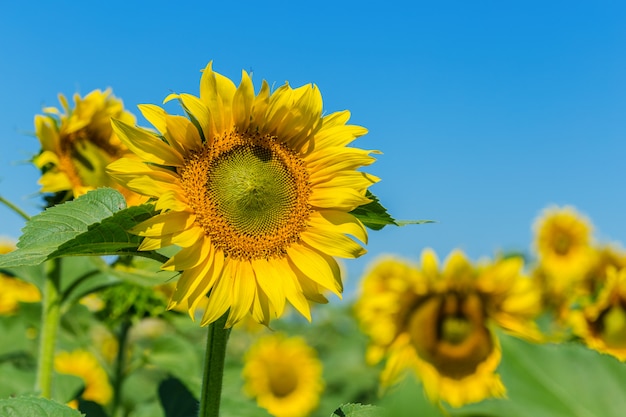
[34, 406]
[176, 399]
[374, 216]
[93, 224]
[564, 380]
[357, 410]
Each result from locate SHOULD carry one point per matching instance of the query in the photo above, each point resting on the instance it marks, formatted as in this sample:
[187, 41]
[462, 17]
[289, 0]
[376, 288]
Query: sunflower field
[185, 268]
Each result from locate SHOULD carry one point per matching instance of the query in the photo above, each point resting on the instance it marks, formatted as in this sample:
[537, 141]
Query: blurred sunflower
[84, 365]
[77, 145]
[602, 324]
[256, 189]
[14, 290]
[284, 375]
[439, 323]
[563, 246]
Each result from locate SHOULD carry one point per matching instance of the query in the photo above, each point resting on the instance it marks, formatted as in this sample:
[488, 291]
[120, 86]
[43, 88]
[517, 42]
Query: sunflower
[284, 375]
[84, 365]
[563, 245]
[439, 324]
[78, 144]
[14, 290]
[602, 324]
[256, 190]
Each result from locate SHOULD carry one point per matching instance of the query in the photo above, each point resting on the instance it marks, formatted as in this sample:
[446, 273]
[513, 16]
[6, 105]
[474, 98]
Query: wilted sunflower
[284, 375]
[78, 143]
[256, 189]
[602, 325]
[84, 365]
[14, 290]
[442, 322]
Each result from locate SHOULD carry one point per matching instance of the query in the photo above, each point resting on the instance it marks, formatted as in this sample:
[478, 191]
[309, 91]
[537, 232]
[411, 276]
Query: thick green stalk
[214, 368]
[120, 365]
[50, 318]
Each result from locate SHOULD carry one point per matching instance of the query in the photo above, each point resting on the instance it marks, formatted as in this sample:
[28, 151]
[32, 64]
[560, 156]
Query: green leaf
[375, 216]
[176, 399]
[34, 406]
[564, 380]
[357, 410]
[93, 224]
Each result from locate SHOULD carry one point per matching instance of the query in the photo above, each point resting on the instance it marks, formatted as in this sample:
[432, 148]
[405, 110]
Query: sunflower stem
[15, 208]
[120, 365]
[50, 318]
[217, 337]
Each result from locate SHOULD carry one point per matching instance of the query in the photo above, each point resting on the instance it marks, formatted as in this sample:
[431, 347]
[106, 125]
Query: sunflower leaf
[375, 216]
[34, 406]
[357, 410]
[93, 224]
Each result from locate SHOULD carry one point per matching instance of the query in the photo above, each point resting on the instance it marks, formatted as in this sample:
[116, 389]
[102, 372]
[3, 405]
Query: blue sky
[486, 112]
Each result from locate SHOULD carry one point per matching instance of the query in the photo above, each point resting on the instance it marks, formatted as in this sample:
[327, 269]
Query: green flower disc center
[252, 189]
[249, 193]
[455, 330]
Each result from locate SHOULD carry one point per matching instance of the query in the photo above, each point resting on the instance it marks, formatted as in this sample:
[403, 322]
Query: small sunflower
[14, 290]
[78, 143]
[439, 323]
[257, 191]
[563, 245]
[602, 325]
[284, 375]
[84, 365]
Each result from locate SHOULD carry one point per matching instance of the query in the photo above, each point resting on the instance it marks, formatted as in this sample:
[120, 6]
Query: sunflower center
[249, 193]
[252, 188]
[613, 323]
[283, 381]
[450, 333]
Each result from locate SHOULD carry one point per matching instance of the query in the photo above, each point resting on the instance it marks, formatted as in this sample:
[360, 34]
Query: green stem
[14, 208]
[214, 368]
[120, 364]
[50, 318]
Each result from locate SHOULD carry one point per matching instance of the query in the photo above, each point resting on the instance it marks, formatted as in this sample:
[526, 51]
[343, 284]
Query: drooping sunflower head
[83, 364]
[284, 375]
[563, 244]
[78, 143]
[256, 189]
[602, 325]
[442, 320]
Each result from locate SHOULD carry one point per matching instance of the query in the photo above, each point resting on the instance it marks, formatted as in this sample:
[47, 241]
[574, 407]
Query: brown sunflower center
[449, 332]
[250, 194]
[611, 327]
[283, 380]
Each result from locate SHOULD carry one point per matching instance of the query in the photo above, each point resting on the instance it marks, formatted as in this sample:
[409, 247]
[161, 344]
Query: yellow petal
[220, 298]
[244, 288]
[346, 199]
[189, 257]
[338, 222]
[165, 224]
[242, 102]
[155, 115]
[146, 145]
[200, 112]
[316, 267]
[184, 133]
[270, 281]
[217, 92]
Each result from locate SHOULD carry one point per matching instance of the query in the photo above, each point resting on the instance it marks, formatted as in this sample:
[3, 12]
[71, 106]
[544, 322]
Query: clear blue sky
[486, 111]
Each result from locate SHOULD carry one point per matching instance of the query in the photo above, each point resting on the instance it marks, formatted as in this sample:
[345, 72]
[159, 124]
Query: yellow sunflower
[439, 323]
[14, 290]
[284, 375]
[78, 143]
[257, 191]
[84, 365]
[563, 245]
[602, 325]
